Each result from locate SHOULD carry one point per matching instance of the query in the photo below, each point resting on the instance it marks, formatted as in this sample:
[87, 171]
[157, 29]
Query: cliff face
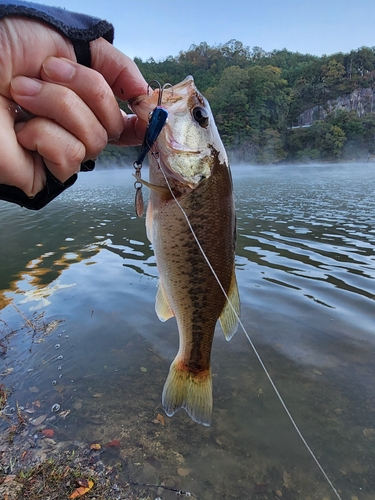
[360, 100]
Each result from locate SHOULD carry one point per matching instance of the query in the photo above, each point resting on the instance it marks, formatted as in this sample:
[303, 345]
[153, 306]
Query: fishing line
[248, 337]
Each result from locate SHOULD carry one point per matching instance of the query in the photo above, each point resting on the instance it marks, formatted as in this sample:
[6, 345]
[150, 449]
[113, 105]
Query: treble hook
[166, 86]
[161, 90]
[160, 96]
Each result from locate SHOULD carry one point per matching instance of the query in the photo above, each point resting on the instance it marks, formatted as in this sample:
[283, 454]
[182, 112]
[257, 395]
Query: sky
[162, 28]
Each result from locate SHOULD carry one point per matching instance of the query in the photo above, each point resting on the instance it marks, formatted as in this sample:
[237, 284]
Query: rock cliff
[360, 100]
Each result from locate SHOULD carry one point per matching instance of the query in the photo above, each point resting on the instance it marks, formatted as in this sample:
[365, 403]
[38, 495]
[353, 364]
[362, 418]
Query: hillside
[258, 98]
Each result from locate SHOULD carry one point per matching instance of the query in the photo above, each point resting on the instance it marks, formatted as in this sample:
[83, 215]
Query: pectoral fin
[149, 220]
[162, 307]
[230, 314]
[154, 187]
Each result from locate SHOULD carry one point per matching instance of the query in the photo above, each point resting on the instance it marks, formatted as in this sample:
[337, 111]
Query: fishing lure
[157, 120]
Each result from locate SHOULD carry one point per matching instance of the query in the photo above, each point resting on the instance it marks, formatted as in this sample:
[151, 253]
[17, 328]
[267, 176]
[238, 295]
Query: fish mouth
[178, 148]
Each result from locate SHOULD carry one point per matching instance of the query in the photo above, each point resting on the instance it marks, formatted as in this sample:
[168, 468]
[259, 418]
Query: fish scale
[194, 310]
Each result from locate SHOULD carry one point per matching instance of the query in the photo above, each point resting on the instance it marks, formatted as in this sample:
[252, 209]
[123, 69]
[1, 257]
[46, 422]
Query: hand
[75, 110]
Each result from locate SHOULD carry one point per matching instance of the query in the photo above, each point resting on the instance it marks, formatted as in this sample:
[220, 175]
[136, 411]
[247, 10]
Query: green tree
[230, 105]
[246, 102]
[333, 72]
[329, 139]
[271, 147]
[269, 97]
[255, 95]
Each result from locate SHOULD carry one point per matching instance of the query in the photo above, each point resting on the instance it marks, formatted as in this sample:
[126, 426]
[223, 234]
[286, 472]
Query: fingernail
[58, 70]
[26, 86]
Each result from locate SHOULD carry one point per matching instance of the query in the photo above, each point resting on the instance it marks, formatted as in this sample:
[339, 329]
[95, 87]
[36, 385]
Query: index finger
[126, 81]
[121, 72]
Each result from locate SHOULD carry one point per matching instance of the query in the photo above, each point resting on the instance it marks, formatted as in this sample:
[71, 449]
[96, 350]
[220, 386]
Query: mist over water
[306, 272]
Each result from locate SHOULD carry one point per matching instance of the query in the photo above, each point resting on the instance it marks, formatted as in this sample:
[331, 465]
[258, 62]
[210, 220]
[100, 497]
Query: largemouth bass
[191, 163]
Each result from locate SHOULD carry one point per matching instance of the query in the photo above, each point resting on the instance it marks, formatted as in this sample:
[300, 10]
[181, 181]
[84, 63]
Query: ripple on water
[305, 267]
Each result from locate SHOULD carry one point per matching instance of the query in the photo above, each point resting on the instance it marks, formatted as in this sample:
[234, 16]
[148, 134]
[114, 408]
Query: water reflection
[83, 273]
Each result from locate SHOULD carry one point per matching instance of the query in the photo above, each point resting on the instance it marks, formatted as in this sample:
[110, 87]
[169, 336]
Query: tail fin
[191, 391]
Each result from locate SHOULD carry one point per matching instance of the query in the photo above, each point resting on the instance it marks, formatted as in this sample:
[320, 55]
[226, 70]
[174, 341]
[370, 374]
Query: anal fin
[230, 314]
[162, 307]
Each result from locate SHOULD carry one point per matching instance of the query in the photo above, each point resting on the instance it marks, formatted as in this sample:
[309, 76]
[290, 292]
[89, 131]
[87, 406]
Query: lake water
[83, 275]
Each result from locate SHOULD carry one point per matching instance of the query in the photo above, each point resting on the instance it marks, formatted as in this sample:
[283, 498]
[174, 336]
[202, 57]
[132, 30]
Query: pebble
[182, 471]
[49, 441]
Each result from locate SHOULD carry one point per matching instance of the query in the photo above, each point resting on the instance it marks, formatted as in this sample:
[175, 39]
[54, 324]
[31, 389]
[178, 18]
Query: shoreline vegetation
[260, 99]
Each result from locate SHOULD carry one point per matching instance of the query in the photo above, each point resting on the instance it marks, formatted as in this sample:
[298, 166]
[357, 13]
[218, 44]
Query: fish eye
[200, 116]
